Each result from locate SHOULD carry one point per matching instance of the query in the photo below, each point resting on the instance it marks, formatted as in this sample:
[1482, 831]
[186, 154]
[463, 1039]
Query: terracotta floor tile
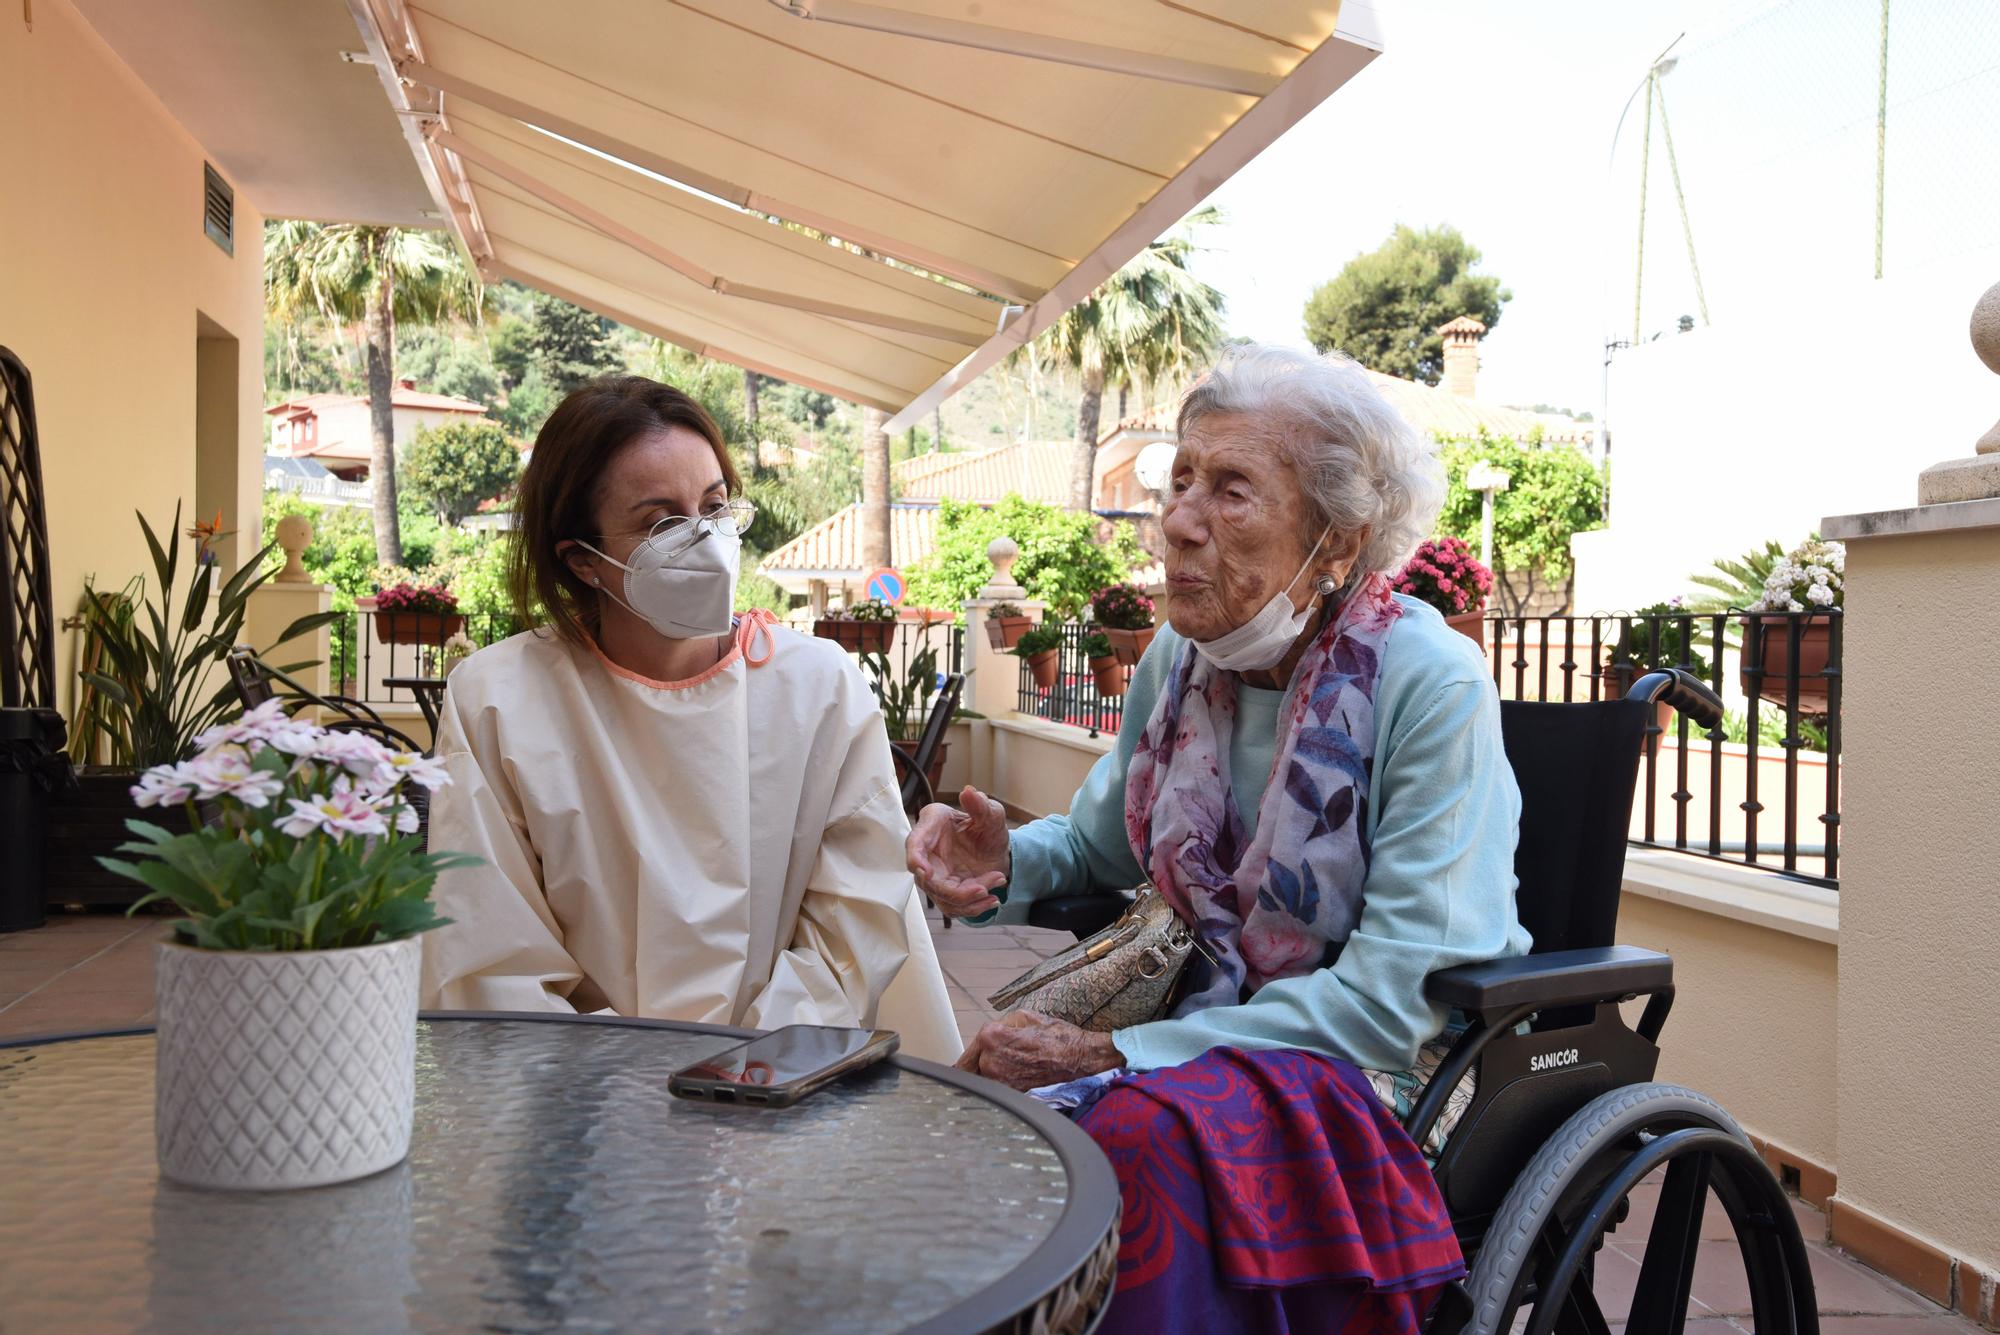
[1616, 1279]
[1893, 1325]
[1841, 1284]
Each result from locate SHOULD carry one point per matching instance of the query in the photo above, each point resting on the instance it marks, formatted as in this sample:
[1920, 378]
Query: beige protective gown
[726, 850]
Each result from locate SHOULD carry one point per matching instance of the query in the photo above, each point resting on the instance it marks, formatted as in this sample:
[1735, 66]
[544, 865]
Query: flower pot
[1044, 666]
[1111, 676]
[85, 823]
[284, 1069]
[1128, 645]
[857, 637]
[1471, 624]
[418, 627]
[935, 770]
[1006, 632]
[1815, 648]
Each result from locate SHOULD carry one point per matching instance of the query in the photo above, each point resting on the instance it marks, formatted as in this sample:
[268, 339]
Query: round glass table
[554, 1184]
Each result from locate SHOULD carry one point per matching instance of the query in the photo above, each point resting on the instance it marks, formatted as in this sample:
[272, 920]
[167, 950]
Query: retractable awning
[680, 165]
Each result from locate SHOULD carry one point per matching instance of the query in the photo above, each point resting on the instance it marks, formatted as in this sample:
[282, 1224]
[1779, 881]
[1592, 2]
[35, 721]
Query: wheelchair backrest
[1576, 766]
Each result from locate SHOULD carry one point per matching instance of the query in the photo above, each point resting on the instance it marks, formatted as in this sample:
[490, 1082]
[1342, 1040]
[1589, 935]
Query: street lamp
[1487, 480]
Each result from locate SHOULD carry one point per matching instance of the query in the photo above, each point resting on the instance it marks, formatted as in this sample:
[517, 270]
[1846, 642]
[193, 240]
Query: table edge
[1089, 1213]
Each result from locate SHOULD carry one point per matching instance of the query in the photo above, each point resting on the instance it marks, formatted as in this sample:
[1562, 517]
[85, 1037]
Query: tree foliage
[1150, 321]
[569, 345]
[1062, 559]
[455, 467]
[1554, 492]
[1385, 307]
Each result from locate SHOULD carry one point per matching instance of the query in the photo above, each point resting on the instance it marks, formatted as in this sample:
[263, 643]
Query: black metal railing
[1749, 790]
[369, 648]
[1075, 698]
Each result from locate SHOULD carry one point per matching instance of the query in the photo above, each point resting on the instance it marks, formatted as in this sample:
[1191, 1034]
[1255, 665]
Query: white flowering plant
[1808, 579]
[300, 838]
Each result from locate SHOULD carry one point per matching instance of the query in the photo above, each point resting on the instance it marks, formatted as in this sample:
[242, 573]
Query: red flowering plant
[1122, 607]
[433, 599]
[1445, 574]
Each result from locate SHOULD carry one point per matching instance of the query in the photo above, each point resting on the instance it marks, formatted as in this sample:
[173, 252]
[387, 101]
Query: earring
[598, 583]
[1327, 586]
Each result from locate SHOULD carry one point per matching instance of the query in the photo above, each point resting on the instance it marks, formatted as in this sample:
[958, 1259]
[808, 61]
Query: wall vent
[218, 209]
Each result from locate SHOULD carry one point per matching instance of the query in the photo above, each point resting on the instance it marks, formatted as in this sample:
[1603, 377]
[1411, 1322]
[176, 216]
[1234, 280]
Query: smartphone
[778, 1069]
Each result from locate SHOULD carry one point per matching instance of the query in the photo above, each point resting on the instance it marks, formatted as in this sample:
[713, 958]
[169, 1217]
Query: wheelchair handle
[1684, 691]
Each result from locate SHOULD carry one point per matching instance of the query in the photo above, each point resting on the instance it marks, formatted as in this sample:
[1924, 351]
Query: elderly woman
[683, 813]
[1311, 773]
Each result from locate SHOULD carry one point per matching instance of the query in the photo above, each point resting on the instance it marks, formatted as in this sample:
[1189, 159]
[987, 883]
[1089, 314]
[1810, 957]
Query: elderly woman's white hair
[1358, 462]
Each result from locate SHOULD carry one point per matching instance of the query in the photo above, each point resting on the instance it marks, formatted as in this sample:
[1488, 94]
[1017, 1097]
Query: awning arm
[984, 280]
[608, 226]
[1032, 46]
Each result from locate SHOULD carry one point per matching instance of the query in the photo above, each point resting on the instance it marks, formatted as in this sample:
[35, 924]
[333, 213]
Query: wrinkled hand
[1026, 1049]
[960, 857]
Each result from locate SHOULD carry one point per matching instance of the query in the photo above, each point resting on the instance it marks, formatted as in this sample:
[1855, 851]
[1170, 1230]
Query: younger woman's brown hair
[558, 494]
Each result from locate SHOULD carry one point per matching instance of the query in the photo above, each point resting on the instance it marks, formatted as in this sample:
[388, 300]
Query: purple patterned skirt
[1268, 1191]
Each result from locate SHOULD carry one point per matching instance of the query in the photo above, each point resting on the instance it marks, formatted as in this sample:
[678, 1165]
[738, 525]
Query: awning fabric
[632, 155]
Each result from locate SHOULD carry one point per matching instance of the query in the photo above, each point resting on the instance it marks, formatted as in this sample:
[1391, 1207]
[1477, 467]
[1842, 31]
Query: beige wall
[1752, 1024]
[105, 277]
[1919, 1005]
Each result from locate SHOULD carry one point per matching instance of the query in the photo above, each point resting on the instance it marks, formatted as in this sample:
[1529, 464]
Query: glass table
[554, 1184]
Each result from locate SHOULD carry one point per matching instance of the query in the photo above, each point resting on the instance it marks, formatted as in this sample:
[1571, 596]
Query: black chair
[914, 762]
[1566, 1118]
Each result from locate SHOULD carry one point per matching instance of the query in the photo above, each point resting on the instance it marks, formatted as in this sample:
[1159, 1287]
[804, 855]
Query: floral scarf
[1281, 903]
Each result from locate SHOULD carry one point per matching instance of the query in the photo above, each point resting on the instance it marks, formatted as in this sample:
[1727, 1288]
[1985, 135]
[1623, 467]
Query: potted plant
[1041, 648]
[417, 614]
[287, 998]
[1444, 573]
[1811, 579]
[1651, 639]
[152, 680]
[865, 628]
[455, 651]
[1111, 674]
[906, 704]
[1005, 624]
[1124, 614]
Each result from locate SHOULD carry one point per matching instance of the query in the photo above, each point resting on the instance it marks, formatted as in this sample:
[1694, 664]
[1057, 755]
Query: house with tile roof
[333, 429]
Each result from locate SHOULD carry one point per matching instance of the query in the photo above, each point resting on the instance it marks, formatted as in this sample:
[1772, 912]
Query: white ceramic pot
[284, 1069]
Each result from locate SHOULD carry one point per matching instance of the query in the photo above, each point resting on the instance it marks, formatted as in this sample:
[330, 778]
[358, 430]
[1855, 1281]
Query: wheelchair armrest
[1079, 915]
[1559, 978]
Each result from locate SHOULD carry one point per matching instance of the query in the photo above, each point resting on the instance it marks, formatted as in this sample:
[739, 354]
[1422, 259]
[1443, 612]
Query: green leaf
[305, 625]
[106, 686]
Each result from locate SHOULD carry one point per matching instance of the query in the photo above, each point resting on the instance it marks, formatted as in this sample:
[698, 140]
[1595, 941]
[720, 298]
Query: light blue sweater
[1443, 813]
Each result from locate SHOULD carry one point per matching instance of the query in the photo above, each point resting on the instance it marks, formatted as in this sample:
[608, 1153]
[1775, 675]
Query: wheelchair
[1567, 1119]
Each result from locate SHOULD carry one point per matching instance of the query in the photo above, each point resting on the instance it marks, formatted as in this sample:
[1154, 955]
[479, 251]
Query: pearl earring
[598, 583]
[1328, 586]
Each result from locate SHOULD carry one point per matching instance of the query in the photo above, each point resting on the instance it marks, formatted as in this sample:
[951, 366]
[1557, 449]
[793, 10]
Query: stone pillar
[1977, 478]
[285, 598]
[1919, 1030]
[992, 676]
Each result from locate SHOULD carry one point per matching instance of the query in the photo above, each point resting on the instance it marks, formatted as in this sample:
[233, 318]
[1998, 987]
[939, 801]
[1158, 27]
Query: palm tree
[1152, 320]
[875, 549]
[342, 272]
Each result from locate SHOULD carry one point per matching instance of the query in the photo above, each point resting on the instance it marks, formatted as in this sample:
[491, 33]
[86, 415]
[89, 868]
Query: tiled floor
[96, 971]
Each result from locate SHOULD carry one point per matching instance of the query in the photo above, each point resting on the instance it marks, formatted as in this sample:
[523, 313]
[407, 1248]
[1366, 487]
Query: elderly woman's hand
[960, 857]
[1027, 1050]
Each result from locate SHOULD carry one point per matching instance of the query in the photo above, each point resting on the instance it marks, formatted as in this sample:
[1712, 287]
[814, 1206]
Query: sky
[1499, 119]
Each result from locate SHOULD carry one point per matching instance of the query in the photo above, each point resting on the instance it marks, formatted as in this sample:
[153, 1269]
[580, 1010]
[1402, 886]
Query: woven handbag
[1127, 974]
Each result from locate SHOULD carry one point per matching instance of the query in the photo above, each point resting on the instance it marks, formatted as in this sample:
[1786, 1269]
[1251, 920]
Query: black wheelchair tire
[1577, 1157]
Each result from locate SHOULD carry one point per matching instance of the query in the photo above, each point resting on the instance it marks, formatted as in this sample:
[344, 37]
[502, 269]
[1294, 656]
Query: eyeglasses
[677, 533]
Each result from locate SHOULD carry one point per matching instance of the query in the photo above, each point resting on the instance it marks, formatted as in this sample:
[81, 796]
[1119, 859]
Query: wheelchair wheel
[1532, 1271]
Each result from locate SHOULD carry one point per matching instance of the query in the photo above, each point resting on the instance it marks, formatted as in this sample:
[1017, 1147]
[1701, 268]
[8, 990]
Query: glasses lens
[732, 518]
[672, 534]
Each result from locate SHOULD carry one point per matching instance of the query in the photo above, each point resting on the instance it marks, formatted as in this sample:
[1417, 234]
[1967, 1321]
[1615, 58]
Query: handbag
[1127, 974]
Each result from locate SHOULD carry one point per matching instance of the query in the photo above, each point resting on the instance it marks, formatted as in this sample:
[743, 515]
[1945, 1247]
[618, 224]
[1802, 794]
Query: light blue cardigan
[1443, 813]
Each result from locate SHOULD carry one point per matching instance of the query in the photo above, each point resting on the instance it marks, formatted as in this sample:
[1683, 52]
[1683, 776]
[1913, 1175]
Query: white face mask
[1264, 640]
[685, 592]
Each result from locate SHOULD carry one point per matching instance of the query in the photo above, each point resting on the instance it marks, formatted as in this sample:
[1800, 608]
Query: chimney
[1461, 355]
[411, 384]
